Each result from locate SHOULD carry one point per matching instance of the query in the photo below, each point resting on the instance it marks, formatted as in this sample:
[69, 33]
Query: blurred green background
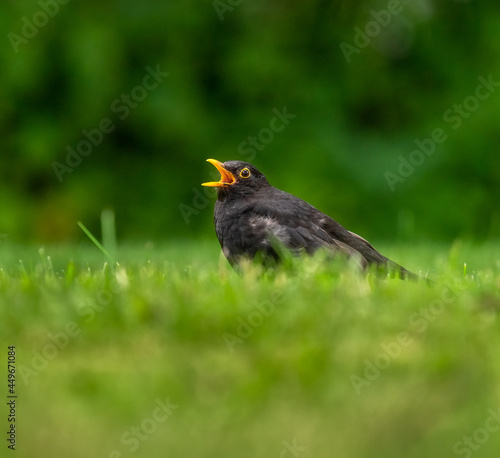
[90, 120]
[230, 68]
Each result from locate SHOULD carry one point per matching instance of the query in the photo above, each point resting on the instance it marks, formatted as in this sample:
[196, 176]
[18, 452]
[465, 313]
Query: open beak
[226, 177]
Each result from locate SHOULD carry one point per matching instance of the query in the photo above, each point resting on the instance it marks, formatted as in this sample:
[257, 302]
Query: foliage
[353, 119]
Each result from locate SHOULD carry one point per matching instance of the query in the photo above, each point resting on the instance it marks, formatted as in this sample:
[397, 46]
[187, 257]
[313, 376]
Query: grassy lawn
[171, 353]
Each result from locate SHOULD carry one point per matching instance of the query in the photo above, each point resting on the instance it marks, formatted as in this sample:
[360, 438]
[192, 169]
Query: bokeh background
[155, 325]
[229, 65]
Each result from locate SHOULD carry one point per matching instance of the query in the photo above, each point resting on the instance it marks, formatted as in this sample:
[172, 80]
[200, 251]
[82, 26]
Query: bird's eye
[245, 173]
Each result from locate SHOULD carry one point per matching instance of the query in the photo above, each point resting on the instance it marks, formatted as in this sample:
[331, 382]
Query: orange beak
[226, 177]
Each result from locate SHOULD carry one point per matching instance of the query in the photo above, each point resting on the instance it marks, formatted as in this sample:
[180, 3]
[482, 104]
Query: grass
[324, 358]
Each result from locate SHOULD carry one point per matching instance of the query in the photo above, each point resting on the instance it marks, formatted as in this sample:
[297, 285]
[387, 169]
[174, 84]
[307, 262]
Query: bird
[253, 218]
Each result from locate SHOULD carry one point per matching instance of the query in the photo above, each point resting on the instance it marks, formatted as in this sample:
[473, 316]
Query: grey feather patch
[226, 251]
[270, 226]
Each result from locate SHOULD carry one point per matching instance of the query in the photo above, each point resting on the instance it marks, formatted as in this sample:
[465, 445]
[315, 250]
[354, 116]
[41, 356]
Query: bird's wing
[298, 225]
[311, 229]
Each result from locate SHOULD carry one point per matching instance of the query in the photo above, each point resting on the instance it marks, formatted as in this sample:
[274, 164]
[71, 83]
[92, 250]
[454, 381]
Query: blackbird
[252, 217]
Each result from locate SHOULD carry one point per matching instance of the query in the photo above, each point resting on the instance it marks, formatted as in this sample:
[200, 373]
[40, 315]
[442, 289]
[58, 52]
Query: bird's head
[236, 178]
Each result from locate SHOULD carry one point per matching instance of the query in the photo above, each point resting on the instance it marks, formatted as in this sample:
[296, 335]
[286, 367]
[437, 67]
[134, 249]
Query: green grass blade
[108, 231]
[96, 242]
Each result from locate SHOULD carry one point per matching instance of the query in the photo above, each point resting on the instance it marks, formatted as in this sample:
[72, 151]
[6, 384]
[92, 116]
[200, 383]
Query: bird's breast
[242, 232]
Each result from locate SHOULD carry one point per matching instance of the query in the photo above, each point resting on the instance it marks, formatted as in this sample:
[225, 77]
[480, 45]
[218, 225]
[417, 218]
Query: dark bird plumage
[251, 216]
